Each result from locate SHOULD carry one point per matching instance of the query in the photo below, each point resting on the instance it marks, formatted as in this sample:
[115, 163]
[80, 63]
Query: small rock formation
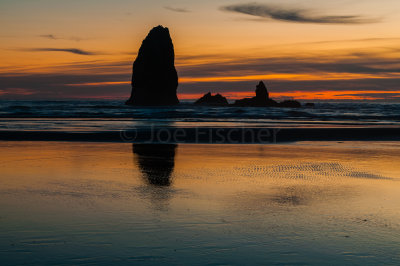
[290, 104]
[154, 77]
[309, 105]
[260, 100]
[212, 100]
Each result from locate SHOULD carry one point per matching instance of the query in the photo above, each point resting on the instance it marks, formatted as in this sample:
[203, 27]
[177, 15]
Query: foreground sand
[76, 203]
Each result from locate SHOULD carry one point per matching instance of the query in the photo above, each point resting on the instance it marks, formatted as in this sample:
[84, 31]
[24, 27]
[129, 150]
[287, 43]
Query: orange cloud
[333, 95]
[279, 76]
[15, 91]
[304, 95]
[289, 77]
[105, 83]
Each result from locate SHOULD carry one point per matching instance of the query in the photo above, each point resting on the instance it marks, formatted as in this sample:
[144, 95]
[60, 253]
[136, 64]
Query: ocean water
[114, 115]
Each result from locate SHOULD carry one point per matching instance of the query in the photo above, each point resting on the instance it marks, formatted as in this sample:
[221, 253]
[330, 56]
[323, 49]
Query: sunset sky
[303, 49]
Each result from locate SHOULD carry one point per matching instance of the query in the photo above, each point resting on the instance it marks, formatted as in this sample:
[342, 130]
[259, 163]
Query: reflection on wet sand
[75, 203]
[156, 162]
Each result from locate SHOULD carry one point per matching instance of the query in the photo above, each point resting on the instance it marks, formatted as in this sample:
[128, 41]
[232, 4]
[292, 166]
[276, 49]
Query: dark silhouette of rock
[309, 105]
[154, 77]
[290, 103]
[261, 91]
[260, 100]
[212, 100]
[243, 102]
[156, 162]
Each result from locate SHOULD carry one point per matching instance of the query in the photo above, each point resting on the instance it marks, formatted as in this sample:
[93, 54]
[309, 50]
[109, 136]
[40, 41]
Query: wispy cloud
[177, 9]
[299, 15]
[49, 36]
[67, 50]
[55, 37]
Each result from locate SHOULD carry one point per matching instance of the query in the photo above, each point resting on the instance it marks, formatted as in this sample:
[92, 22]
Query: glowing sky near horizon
[306, 49]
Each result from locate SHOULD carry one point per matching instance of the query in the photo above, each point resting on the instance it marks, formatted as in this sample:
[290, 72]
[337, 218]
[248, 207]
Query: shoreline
[211, 135]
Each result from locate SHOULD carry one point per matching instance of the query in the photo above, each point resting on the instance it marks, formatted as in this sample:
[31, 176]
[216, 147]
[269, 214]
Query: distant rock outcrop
[154, 78]
[260, 100]
[212, 100]
[290, 103]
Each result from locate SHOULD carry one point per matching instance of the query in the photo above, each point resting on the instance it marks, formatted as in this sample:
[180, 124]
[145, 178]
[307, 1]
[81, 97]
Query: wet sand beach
[81, 203]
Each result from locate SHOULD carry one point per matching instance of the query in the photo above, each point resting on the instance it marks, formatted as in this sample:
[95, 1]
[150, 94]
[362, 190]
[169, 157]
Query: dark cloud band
[368, 73]
[265, 11]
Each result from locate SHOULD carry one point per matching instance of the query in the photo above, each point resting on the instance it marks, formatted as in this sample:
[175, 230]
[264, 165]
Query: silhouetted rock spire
[260, 100]
[261, 91]
[154, 77]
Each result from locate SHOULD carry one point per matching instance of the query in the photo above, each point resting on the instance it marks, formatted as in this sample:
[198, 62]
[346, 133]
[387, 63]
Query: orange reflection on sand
[38, 164]
[351, 181]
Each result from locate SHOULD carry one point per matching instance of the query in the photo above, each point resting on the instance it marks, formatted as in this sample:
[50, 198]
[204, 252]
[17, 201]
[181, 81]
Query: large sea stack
[154, 77]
